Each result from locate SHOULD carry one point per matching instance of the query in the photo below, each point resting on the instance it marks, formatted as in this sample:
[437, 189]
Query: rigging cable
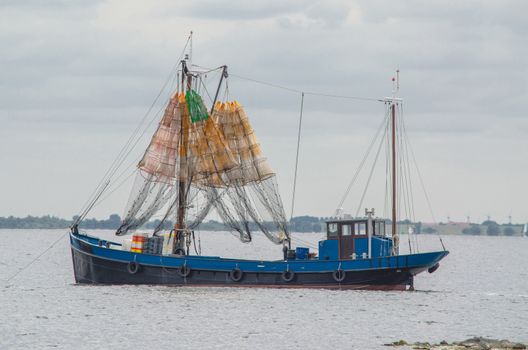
[304, 242]
[403, 199]
[407, 168]
[297, 156]
[313, 93]
[134, 162]
[118, 161]
[356, 174]
[286, 88]
[125, 150]
[208, 70]
[37, 257]
[388, 173]
[370, 174]
[423, 188]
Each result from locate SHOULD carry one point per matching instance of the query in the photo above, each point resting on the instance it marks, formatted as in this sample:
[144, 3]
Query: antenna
[397, 80]
[190, 49]
[396, 83]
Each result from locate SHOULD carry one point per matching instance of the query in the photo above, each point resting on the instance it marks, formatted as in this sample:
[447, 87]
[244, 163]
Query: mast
[393, 127]
[179, 227]
[395, 88]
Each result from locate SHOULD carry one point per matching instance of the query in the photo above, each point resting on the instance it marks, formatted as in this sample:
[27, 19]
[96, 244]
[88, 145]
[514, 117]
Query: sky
[76, 78]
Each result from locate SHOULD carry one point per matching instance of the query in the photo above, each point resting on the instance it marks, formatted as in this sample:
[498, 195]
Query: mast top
[392, 99]
[395, 89]
[396, 83]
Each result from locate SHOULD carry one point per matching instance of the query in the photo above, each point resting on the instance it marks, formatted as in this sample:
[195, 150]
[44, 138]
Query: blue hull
[99, 262]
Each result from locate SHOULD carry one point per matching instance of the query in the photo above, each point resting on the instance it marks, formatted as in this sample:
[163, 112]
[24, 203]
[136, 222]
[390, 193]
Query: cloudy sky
[76, 77]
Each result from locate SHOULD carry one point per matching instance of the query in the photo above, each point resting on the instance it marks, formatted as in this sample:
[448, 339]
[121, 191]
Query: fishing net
[154, 183]
[197, 110]
[148, 196]
[248, 193]
[202, 162]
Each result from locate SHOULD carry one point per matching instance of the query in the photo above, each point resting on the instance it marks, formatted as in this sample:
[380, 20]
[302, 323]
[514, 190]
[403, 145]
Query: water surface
[480, 289]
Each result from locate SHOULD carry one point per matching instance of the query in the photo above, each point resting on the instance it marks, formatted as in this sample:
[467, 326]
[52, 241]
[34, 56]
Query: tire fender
[184, 270]
[236, 274]
[339, 275]
[133, 267]
[288, 275]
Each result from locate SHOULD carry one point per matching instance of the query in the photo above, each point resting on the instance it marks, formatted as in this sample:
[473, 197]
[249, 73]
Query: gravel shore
[468, 344]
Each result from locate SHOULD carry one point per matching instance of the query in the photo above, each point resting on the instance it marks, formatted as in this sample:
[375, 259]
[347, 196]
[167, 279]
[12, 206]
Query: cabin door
[346, 241]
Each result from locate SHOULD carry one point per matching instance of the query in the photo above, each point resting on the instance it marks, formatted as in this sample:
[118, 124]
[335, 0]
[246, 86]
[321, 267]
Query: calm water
[480, 289]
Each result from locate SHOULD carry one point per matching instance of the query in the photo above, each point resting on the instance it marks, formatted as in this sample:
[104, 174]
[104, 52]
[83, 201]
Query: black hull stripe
[249, 271]
[91, 269]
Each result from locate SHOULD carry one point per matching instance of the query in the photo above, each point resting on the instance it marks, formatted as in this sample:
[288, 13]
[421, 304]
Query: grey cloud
[48, 4]
[242, 10]
[80, 75]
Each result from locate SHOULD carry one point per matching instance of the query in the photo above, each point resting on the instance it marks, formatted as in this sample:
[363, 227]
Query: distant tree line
[53, 222]
[298, 224]
[490, 228]
[306, 224]
[29, 222]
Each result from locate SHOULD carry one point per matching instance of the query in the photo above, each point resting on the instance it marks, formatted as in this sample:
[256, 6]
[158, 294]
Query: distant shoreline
[299, 224]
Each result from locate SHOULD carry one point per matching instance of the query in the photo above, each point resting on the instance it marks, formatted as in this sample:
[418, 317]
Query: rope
[370, 174]
[93, 203]
[423, 188]
[266, 83]
[114, 189]
[297, 156]
[387, 171]
[304, 242]
[126, 149]
[344, 96]
[365, 156]
[36, 258]
[422, 184]
[407, 168]
[313, 93]
[205, 89]
[208, 70]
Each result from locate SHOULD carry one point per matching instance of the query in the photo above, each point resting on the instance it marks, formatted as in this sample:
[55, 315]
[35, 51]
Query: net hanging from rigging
[217, 161]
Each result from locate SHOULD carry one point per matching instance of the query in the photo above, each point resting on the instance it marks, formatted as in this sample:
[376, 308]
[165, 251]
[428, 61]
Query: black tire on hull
[339, 275]
[236, 274]
[288, 276]
[133, 267]
[433, 268]
[184, 271]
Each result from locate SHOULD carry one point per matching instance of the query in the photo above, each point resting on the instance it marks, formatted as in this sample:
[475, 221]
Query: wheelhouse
[355, 239]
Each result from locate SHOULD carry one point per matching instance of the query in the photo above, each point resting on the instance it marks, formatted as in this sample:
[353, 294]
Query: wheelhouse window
[360, 228]
[332, 229]
[380, 228]
[346, 230]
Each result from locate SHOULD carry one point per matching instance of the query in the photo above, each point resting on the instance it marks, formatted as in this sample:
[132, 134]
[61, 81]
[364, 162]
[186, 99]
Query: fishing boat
[201, 160]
